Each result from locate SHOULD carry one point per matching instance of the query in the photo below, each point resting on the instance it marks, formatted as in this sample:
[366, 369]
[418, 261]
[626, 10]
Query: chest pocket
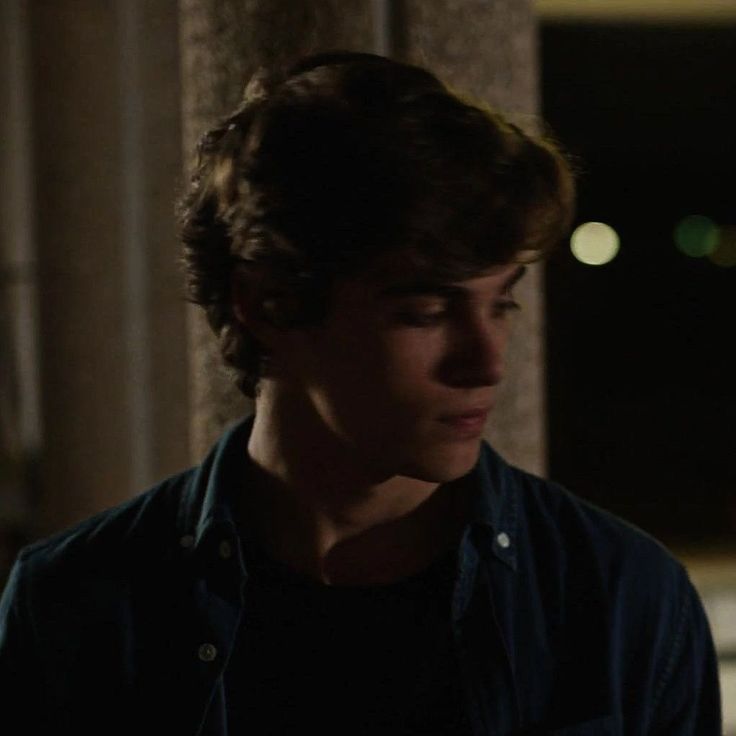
[605, 726]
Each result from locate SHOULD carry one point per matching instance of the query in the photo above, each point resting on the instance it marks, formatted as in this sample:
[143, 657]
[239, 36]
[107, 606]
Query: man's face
[403, 371]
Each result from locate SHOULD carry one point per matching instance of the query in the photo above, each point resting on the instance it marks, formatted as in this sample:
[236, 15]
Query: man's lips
[472, 420]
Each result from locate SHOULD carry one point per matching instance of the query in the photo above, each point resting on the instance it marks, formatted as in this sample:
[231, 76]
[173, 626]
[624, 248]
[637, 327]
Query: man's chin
[446, 464]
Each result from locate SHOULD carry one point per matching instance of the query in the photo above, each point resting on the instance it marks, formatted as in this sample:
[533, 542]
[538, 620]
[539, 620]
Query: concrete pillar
[489, 51]
[20, 424]
[107, 157]
[481, 47]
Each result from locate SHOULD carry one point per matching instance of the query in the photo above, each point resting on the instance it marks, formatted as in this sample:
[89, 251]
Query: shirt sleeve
[687, 699]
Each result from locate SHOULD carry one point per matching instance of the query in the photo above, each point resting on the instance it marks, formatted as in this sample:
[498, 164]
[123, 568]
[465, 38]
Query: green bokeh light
[696, 236]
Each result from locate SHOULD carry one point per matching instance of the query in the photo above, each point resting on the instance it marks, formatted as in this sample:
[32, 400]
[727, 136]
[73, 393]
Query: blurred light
[696, 236]
[725, 253]
[594, 243]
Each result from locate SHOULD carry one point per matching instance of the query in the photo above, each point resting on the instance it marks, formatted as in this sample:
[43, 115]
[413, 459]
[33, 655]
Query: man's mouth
[467, 422]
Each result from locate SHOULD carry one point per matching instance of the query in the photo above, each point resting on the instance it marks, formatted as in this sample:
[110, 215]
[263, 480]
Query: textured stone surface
[483, 48]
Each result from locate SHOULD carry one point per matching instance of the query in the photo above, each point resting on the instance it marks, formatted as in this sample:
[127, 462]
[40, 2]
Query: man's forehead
[416, 281]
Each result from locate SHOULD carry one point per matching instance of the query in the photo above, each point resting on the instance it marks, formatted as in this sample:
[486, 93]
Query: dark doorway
[642, 370]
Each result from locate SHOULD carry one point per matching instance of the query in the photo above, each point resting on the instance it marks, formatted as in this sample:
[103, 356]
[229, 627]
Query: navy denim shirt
[566, 619]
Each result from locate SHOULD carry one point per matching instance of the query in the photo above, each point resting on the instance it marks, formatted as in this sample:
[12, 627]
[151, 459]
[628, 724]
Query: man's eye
[504, 306]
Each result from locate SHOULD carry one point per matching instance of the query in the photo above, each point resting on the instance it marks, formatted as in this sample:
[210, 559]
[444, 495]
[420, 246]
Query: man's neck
[314, 510]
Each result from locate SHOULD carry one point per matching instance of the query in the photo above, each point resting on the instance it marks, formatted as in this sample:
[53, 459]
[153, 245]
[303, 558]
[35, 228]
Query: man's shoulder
[599, 570]
[560, 525]
[131, 534]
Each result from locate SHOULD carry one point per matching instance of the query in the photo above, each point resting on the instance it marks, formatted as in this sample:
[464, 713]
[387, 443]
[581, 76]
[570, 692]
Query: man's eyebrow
[442, 289]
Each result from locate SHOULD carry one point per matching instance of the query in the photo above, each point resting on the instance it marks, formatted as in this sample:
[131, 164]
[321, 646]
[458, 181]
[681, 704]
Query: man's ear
[261, 304]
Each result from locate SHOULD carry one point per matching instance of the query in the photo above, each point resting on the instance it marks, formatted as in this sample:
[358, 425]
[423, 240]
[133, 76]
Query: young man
[354, 558]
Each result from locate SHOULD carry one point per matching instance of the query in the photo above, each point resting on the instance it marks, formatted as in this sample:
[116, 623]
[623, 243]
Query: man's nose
[476, 357]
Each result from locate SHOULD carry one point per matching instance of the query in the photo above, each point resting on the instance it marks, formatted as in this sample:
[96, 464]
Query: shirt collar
[493, 515]
[210, 496]
[209, 499]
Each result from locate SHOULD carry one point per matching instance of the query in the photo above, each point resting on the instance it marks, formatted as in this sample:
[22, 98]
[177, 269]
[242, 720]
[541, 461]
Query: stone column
[20, 424]
[106, 160]
[489, 51]
[485, 48]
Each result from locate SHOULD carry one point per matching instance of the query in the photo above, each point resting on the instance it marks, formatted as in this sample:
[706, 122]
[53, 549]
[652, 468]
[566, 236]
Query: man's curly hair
[349, 156]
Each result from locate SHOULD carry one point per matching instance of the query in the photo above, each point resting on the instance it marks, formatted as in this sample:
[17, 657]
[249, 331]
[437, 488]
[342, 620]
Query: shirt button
[207, 652]
[503, 540]
[225, 549]
[187, 541]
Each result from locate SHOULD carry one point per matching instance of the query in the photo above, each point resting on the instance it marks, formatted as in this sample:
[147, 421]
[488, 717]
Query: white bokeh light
[594, 243]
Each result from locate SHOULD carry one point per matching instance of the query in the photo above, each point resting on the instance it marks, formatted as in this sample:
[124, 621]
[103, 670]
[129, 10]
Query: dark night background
[642, 371]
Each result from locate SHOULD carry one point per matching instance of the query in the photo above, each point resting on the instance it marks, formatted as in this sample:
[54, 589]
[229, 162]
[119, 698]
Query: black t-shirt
[345, 659]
